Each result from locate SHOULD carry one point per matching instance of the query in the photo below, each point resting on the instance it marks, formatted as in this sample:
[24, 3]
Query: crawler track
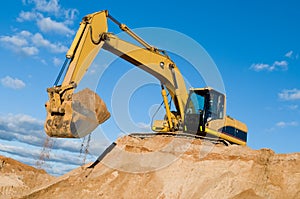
[214, 140]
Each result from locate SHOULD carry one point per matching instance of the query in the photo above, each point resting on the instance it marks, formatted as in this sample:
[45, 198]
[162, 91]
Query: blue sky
[254, 44]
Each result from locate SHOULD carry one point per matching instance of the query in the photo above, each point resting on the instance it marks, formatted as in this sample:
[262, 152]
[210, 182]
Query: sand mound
[167, 167]
[16, 179]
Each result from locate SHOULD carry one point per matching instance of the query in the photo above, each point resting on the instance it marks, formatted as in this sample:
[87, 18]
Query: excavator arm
[76, 115]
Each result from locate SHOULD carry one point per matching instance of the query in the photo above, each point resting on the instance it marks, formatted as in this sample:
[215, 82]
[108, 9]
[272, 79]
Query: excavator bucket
[73, 115]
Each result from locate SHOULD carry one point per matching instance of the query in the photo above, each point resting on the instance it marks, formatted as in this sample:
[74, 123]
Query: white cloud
[14, 40]
[292, 94]
[292, 55]
[28, 44]
[20, 43]
[39, 40]
[18, 126]
[29, 50]
[27, 16]
[48, 25]
[13, 83]
[49, 17]
[23, 136]
[51, 6]
[21, 124]
[43, 61]
[282, 64]
[28, 130]
[25, 34]
[21, 127]
[260, 67]
[33, 153]
[70, 15]
[286, 124]
[18, 150]
[144, 127]
[293, 107]
[277, 65]
[57, 61]
[289, 54]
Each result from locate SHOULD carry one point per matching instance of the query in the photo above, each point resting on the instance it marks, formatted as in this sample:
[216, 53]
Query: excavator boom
[76, 115]
[72, 115]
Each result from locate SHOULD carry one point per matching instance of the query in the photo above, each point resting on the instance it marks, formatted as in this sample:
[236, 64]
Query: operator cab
[203, 105]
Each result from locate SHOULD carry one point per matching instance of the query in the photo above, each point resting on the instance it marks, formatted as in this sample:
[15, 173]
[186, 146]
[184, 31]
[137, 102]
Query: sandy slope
[166, 167]
[16, 179]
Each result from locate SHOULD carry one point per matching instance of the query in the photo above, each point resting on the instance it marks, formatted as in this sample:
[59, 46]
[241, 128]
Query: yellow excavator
[200, 112]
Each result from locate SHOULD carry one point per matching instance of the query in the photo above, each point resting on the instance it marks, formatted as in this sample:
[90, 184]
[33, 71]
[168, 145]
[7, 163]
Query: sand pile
[16, 179]
[167, 167]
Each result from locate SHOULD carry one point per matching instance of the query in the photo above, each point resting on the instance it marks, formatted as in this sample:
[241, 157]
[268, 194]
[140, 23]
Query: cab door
[194, 113]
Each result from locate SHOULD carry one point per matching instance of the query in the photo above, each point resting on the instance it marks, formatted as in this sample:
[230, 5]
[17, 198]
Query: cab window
[215, 106]
[195, 104]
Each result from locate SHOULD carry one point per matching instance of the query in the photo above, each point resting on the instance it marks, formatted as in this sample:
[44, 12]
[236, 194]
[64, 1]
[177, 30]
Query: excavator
[200, 112]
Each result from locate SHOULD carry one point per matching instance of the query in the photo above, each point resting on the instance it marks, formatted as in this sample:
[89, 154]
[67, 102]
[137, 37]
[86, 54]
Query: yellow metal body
[93, 35]
[168, 111]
